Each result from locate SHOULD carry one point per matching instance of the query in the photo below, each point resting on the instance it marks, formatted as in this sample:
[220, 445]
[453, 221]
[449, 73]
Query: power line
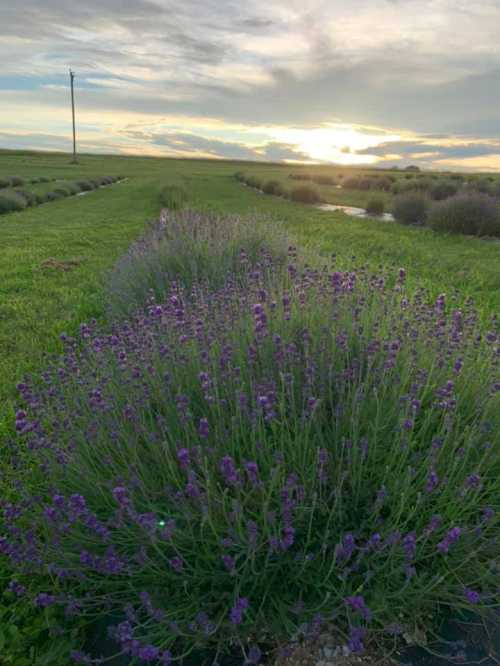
[72, 78]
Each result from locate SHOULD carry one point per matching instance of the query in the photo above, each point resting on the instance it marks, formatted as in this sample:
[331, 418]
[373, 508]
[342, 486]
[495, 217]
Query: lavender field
[250, 333]
[251, 415]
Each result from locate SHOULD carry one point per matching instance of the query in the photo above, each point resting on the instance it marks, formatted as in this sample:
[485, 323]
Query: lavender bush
[191, 247]
[253, 461]
[305, 194]
[375, 206]
[476, 214]
[11, 201]
[410, 208]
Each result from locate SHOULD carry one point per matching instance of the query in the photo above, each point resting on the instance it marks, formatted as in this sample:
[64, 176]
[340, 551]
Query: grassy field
[39, 302]
[54, 265]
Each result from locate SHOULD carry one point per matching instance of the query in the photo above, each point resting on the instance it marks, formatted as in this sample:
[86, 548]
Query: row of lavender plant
[244, 462]
[189, 247]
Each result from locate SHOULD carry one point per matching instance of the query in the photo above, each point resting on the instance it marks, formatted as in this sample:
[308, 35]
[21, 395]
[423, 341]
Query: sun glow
[337, 143]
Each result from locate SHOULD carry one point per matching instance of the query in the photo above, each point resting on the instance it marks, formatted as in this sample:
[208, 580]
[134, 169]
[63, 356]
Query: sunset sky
[386, 82]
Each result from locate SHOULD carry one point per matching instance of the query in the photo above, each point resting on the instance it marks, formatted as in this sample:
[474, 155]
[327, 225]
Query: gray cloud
[35, 140]
[277, 152]
[413, 150]
[193, 143]
[184, 142]
[429, 66]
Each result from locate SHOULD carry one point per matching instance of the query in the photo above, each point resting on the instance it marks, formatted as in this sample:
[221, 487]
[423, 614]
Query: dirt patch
[61, 265]
[328, 649]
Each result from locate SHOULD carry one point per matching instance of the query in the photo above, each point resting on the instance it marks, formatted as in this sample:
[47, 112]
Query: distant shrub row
[301, 193]
[17, 181]
[471, 213]
[373, 182]
[11, 181]
[319, 179]
[442, 207]
[436, 186]
[442, 188]
[18, 199]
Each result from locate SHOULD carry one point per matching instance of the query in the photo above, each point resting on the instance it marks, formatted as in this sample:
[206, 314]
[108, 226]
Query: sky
[374, 82]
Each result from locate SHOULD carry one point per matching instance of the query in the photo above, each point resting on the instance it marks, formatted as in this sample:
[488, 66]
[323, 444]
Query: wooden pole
[72, 77]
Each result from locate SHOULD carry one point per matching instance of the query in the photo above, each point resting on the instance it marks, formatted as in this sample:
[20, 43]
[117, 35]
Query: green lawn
[37, 303]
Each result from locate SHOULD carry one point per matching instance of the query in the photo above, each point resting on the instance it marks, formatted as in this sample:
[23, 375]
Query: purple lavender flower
[472, 596]
[166, 658]
[434, 524]
[237, 611]
[229, 563]
[287, 537]
[121, 496]
[124, 632]
[374, 542]
[204, 428]
[176, 563]
[184, 458]
[16, 588]
[357, 603]
[488, 514]
[254, 655]
[473, 481]
[229, 471]
[355, 642]
[346, 548]
[410, 546]
[148, 653]
[77, 505]
[252, 533]
[432, 481]
[252, 470]
[450, 539]
[43, 600]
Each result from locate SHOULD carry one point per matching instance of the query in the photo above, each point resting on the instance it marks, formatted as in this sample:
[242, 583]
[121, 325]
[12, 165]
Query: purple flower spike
[44, 600]
[16, 588]
[204, 428]
[357, 603]
[287, 538]
[229, 472]
[355, 643]
[472, 596]
[450, 539]
[121, 496]
[252, 470]
[148, 653]
[237, 611]
[166, 658]
[177, 564]
[184, 458]
[229, 563]
[254, 655]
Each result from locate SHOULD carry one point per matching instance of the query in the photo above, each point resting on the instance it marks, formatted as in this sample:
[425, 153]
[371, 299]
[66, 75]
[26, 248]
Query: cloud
[36, 141]
[193, 144]
[419, 150]
[278, 152]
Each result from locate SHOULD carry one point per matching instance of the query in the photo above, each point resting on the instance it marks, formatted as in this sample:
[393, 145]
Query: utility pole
[72, 77]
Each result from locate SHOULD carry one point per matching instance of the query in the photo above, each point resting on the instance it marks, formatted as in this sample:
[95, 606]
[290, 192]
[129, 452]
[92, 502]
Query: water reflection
[356, 212]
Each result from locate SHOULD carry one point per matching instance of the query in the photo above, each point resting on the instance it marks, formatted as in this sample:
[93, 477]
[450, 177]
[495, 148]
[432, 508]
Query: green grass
[37, 304]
